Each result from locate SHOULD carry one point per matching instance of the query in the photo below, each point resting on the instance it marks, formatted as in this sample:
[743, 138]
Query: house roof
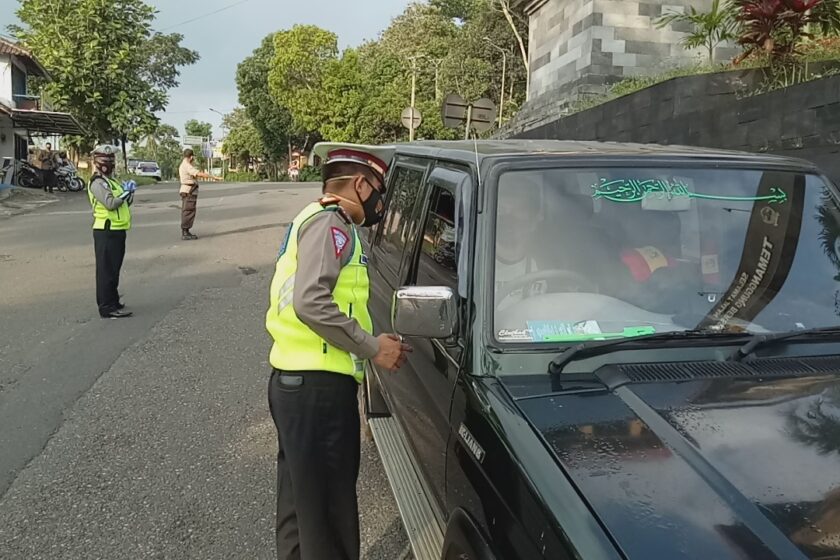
[7, 46]
[44, 122]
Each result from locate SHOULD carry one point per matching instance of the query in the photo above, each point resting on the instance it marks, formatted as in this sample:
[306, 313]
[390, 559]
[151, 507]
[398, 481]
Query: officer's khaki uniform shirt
[187, 173]
[318, 268]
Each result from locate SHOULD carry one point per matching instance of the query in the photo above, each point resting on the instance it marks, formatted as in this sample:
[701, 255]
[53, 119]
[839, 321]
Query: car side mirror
[425, 312]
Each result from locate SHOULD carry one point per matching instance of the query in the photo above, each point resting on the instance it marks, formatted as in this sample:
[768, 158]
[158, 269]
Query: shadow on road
[244, 230]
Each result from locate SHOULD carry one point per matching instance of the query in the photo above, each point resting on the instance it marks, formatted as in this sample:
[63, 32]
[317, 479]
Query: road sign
[193, 140]
[411, 118]
[483, 115]
[454, 111]
[207, 149]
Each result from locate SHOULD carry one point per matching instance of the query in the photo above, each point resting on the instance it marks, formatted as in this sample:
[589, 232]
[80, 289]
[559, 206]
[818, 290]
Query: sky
[225, 38]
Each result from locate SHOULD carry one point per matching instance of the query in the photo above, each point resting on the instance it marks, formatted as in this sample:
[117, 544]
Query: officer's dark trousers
[318, 433]
[109, 247]
[189, 203]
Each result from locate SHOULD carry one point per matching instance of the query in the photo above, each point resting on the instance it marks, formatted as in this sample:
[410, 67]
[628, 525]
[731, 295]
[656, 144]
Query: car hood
[723, 468]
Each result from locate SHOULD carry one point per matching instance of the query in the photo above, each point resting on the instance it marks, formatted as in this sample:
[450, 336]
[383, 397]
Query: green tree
[163, 146]
[109, 68]
[272, 121]
[243, 142]
[709, 29]
[302, 57]
[194, 127]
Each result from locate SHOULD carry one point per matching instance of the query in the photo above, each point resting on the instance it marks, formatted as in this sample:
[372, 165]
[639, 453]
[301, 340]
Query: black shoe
[117, 314]
[187, 236]
[120, 306]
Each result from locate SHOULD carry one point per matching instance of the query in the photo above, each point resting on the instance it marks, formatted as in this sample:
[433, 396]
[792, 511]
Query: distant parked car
[148, 169]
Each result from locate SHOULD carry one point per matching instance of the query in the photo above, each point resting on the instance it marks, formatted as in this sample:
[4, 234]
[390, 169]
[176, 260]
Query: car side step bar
[416, 509]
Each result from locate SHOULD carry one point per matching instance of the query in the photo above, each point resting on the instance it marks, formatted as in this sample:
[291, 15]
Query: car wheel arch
[464, 539]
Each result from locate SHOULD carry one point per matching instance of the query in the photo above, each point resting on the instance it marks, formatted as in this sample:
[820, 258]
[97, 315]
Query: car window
[398, 229]
[638, 250]
[438, 261]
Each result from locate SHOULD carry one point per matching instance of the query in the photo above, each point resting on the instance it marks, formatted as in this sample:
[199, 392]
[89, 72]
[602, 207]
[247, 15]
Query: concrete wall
[579, 46]
[6, 80]
[710, 110]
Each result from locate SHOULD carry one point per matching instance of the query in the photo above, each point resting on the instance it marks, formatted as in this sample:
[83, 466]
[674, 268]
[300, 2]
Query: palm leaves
[710, 29]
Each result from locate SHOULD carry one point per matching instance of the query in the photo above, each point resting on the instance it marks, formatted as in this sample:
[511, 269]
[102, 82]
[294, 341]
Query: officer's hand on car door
[392, 352]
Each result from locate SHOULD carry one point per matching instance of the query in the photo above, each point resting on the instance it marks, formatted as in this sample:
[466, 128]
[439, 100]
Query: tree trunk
[125, 155]
[505, 4]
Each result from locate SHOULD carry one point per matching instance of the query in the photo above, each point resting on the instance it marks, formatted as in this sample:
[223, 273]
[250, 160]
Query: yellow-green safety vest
[297, 347]
[120, 218]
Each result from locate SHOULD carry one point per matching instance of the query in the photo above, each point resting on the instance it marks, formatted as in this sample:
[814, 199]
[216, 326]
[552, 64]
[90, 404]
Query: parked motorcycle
[67, 176]
[28, 176]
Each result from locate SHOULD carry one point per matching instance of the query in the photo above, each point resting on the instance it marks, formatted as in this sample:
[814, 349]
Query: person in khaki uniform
[188, 175]
[48, 163]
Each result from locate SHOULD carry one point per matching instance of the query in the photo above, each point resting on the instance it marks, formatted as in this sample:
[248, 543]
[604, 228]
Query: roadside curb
[15, 201]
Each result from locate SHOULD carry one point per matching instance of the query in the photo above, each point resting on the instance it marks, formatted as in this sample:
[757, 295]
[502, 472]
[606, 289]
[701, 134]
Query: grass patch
[242, 177]
[638, 83]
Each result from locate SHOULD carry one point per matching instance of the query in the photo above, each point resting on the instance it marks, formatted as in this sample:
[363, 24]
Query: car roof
[470, 151]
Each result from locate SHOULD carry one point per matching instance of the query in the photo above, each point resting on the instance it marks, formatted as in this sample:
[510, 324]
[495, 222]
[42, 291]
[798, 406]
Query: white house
[22, 115]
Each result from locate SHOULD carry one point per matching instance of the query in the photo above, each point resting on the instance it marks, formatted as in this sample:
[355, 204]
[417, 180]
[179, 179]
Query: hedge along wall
[710, 110]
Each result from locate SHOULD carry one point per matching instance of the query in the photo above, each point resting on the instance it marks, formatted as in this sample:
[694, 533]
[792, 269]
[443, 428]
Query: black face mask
[372, 217]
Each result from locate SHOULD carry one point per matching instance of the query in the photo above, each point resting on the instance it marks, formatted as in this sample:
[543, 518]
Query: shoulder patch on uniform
[340, 240]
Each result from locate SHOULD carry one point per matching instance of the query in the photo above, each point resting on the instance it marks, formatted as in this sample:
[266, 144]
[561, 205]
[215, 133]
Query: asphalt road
[148, 437]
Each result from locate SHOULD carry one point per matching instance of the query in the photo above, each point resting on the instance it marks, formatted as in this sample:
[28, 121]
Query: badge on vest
[363, 260]
[339, 241]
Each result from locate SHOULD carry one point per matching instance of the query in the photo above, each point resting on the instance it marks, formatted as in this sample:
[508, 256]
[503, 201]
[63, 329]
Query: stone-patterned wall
[709, 110]
[580, 46]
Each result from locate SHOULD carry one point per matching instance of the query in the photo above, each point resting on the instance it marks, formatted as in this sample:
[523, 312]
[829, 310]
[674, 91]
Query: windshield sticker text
[745, 287]
[516, 335]
[633, 190]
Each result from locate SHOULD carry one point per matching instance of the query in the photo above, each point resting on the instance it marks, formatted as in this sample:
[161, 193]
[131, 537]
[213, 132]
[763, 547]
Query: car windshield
[595, 253]
[148, 167]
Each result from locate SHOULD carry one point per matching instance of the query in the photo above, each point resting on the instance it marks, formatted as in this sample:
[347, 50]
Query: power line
[208, 14]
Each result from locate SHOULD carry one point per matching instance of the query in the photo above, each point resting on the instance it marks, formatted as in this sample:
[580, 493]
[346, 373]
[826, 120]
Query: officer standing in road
[111, 202]
[322, 338]
[188, 174]
[48, 165]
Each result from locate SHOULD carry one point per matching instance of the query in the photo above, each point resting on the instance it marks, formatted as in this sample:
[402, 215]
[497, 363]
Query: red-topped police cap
[377, 158]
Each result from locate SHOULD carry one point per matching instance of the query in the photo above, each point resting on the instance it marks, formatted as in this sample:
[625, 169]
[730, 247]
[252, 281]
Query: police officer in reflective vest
[111, 202]
[321, 328]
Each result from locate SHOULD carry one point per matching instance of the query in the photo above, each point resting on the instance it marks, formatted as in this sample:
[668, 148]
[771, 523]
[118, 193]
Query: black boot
[187, 236]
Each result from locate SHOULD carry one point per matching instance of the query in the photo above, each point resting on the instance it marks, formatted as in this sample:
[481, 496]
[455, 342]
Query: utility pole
[211, 148]
[413, 91]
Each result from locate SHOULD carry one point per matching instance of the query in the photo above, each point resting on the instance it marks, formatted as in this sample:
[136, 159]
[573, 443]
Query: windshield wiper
[759, 340]
[591, 349]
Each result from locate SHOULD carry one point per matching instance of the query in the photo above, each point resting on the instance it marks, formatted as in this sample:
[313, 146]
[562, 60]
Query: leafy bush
[310, 175]
[242, 177]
